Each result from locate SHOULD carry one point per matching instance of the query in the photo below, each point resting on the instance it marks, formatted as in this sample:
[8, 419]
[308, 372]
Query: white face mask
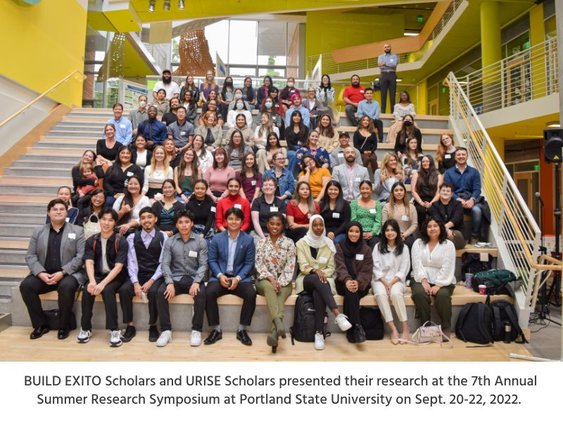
[239, 106]
[268, 105]
[238, 95]
[290, 84]
[143, 103]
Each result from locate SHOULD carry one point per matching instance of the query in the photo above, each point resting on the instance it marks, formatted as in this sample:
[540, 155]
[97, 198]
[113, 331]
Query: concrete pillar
[490, 52]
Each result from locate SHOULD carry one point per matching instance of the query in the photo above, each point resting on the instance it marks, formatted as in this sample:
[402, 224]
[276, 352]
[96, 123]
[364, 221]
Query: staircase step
[12, 256]
[22, 208]
[69, 161]
[46, 150]
[36, 171]
[25, 181]
[37, 219]
[17, 230]
[36, 198]
[53, 164]
[40, 189]
[10, 273]
[15, 242]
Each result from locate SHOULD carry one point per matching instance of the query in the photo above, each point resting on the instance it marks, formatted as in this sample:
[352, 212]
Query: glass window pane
[216, 35]
[243, 42]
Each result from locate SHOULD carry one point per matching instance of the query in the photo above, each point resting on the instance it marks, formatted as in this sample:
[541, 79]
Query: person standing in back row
[387, 63]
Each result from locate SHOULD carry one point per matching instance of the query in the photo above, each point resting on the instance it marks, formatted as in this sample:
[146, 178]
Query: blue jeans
[292, 158]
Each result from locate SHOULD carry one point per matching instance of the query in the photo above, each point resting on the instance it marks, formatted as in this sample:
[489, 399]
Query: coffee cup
[482, 289]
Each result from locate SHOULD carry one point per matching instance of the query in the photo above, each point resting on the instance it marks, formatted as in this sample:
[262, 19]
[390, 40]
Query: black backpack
[303, 328]
[471, 263]
[504, 315]
[475, 323]
[495, 280]
[372, 322]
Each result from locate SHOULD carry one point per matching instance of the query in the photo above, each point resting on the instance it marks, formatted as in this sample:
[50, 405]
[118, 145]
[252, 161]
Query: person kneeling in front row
[231, 260]
[184, 266]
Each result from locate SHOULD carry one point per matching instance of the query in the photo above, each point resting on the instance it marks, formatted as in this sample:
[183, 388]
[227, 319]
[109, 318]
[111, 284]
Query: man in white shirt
[172, 88]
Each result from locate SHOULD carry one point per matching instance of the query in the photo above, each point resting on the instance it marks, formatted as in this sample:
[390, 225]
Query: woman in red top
[299, 210]
[232, 200]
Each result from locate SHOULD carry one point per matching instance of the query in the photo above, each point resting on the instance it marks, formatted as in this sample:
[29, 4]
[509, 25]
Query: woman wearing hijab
[391, 266]
[354, 267]
[315, 256]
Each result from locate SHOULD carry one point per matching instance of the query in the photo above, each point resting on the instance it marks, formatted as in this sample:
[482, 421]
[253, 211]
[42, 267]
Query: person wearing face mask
[139, 115]
[248, 93]
[285, 100]
[264, 91]
[171, 88]
[408, 130]
[352, 96]
[226, 97]
[268, 106]
[296, 104]
[237, 96]
[239, 108]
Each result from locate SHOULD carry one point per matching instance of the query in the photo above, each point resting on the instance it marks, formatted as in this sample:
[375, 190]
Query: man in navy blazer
[231, 260]
[55, 259]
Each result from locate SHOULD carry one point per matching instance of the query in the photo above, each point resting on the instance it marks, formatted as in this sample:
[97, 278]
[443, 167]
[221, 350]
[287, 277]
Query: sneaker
[319, 341]
[153, 333]
[115, 338]
[195, 339]
[83, 336]
[164, 338]
[129, 333]
[342, 322]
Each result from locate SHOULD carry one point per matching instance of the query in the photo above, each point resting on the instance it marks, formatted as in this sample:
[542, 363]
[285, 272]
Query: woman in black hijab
[354, 268]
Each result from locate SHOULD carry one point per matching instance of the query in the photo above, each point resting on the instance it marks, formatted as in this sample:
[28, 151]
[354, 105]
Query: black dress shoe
[38, 332]
[62, 334]
[243, 337]
[213, 337]
[153, 333]
[359, 334]
[129, 333]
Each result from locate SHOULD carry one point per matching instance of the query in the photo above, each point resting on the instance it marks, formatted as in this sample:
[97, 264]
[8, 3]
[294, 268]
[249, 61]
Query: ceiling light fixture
[181, 4]
[166, 6]
[151, 5]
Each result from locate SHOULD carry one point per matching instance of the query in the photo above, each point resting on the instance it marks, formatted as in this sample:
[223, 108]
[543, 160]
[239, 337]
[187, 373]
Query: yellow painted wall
[49, 36]
[330, 29]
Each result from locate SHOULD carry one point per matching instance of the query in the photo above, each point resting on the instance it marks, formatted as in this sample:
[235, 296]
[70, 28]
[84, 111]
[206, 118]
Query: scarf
[315, 241]
[351, 249]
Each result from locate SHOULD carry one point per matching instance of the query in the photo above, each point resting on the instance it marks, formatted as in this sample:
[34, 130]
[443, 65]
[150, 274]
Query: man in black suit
[55, 258]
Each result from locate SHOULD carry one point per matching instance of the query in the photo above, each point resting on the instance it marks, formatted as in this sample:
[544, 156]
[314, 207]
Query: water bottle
[507, 332]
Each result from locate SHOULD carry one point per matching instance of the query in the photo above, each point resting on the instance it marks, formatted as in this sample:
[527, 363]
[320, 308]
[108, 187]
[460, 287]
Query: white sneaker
[115, 338]
[83, 336]
[319, 341]
[164, 338]
[342, 322]
[195, 339]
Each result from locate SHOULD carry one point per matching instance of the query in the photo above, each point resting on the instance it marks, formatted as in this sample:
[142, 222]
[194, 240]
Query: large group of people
[174, 206]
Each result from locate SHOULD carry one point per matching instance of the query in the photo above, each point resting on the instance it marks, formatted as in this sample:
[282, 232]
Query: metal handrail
[516, 233]
[32, 102]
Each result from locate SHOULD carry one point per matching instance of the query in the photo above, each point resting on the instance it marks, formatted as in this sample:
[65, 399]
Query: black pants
[388, 82]
[31, 287]
[181, 287]
[379, 125]
[108, 295]
[127, 293]
[351, 302]
[296, 234]
[246, 291]
[322, 297]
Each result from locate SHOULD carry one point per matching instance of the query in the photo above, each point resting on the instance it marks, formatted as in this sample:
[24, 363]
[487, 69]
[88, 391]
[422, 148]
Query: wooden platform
[16, 346]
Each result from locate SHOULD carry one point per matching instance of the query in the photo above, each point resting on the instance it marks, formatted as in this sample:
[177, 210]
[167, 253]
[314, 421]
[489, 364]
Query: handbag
[428, 333]
[52, 317]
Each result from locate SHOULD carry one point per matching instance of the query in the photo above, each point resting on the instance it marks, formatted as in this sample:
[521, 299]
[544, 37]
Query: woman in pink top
[219, 174]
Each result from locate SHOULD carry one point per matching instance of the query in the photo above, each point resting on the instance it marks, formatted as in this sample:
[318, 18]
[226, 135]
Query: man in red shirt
[352, 96]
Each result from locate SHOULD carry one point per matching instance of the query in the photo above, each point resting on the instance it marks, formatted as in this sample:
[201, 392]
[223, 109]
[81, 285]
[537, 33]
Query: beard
[355, 84]
[167, 79]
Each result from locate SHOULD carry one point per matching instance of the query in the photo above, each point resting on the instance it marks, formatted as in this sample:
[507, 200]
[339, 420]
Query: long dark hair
[427, 177]
[183, 164]
[383, 244]
[324, 205]
[231, 145]
[424, 231]
[304, 166]
[116, 166]
[254, 167]
[128, 198]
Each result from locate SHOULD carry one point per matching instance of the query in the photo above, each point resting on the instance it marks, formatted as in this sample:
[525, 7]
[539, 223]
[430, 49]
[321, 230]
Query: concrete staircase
[31, 181]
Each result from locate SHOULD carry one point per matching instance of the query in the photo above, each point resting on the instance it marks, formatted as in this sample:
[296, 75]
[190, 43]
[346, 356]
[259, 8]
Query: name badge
[361, 91]
[129, 173]
[122, 126]
[72, 235]
[213, 209]
[239, 206]
[253, 182]
[335, 215]
[283, 143]
[273, 209]
[67, 220]
[358, 179]
[323, 259]
[183, 133]
[372, 211]
[447, 156]
[192, 254]
[359, 257]
[404, 218]
[340, 155]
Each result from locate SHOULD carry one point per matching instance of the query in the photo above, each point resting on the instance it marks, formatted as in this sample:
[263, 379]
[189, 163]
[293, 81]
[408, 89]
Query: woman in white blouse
[157, 172]
[391, 266]
[433, 261]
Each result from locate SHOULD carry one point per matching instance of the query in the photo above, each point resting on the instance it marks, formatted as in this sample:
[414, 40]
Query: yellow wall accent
[48, 36]
[490, 33]
[332, 29]
[421, 97]
[537, 36]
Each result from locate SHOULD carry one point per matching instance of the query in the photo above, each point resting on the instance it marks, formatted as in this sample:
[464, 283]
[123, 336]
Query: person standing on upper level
[387, 63]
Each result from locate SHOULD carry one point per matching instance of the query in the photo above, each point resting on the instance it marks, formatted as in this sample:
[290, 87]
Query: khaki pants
[274, 300]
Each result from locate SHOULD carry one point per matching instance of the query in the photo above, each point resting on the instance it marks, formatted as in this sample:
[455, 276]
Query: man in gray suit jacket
[55, 258]
[350, 174]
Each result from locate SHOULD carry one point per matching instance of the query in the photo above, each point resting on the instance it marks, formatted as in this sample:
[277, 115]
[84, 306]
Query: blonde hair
[386, 158]
[166, 162]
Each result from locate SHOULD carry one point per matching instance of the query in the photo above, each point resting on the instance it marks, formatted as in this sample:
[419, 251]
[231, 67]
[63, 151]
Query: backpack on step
[496, 281]
[505, 325]
[475, 323]
[303, 328]
[471, 263]
[372, 323]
